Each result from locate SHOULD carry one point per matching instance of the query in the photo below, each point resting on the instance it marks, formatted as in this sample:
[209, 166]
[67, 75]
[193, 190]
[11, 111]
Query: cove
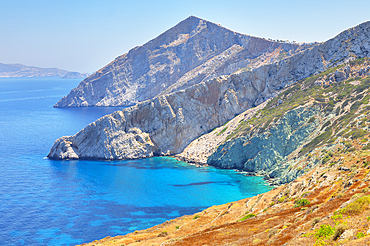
[47, 202]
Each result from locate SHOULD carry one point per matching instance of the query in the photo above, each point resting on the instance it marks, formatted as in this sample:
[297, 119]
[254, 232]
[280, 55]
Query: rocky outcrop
[267, 152]
[19, 70]
[173, 121]
[199, 150]
[193, 51]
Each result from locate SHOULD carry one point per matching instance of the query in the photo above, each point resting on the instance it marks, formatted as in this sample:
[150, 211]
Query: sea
[69, 202]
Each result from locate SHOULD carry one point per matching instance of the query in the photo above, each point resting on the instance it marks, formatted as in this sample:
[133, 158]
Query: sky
[85, 35]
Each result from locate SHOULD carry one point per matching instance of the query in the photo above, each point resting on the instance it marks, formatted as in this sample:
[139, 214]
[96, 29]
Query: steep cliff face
[193, 51]
[267, 152]
[173, 121]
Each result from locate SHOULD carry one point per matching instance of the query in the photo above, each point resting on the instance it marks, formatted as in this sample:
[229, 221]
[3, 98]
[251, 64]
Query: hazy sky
[85, 35]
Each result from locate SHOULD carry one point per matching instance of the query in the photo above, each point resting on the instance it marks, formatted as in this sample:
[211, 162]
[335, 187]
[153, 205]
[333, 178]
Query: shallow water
[47, 202]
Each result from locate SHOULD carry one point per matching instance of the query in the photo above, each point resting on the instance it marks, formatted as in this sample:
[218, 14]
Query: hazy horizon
[84, 36]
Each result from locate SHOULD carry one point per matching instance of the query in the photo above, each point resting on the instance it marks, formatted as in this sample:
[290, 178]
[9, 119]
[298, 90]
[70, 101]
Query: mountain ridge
[19, 70]
[156, 66]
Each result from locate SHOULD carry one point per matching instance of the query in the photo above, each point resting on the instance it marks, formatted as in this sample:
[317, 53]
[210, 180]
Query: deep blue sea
[46, 202]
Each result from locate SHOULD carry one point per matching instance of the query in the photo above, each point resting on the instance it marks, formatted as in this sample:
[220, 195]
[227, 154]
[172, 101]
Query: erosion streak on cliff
[174, 120]
[193, 51]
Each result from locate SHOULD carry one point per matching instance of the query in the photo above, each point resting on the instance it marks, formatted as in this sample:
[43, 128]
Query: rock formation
[193, 51]
[172, 121]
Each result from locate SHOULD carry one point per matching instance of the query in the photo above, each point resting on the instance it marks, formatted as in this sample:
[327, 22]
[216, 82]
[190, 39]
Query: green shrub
[357, 206]
[325, 159]
[348, 145]
[248, 216]
[196, 217]
[360, 235]
[358, 133]
[366, 147]
[325, 232]
[282, 199]
[301, 202]
[222, 131]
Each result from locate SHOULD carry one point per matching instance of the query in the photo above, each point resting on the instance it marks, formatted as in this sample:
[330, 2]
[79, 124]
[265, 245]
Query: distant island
[19, 70]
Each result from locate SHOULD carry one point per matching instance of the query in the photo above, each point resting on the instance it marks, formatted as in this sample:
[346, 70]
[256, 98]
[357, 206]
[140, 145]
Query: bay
[48, 202]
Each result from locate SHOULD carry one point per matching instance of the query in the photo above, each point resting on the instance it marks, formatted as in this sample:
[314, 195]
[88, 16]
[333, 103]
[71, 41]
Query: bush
[325, 159]
[325, 231]
[282, 199]
[196, 217]
[360, 235]
[301, 202]
[366, 147]
[222, 131]
[248, 216]
[357, 206]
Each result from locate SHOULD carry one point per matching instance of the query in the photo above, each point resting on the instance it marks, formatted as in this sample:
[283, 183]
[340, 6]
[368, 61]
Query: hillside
[193, 51]
[147, 129]
[19, 70]
[327, 199]
[274, 140]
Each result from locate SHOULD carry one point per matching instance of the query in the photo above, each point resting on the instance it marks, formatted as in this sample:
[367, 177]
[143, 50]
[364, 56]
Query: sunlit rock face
[167, 123]
[193, 51]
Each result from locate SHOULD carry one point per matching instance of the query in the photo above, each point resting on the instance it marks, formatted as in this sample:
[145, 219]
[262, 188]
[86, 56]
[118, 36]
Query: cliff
[193, 51]
[19, 70]
[172, 121]
[271, 139]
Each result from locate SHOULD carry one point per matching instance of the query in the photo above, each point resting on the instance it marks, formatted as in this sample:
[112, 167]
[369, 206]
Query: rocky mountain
[168, 123]
[193, 51]
[19, 70]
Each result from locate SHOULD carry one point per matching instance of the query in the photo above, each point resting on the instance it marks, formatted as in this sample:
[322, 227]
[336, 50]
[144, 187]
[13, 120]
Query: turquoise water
[46, 202]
